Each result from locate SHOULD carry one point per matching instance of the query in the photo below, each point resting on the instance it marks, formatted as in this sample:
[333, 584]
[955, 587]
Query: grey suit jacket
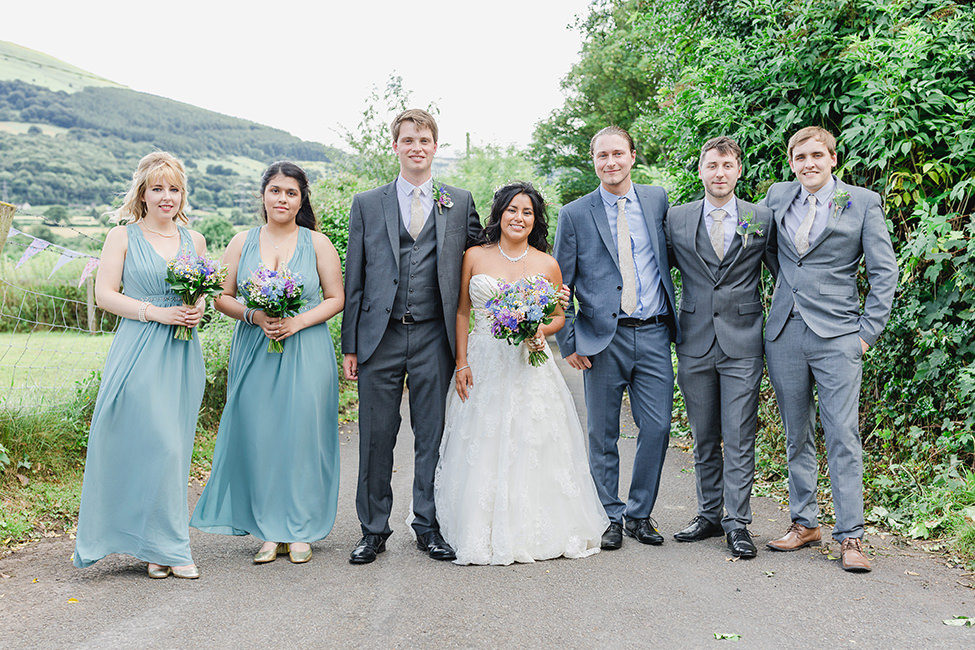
[823, 281]
[586, 252]
[720, 301]
[372, 263]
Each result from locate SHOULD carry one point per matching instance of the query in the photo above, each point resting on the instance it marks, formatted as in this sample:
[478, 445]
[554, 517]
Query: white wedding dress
[513, 482]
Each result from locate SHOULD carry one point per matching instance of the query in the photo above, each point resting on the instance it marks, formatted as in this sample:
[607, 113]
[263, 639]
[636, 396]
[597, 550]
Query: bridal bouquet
[519, 308]
[190, 277]
[277, 294]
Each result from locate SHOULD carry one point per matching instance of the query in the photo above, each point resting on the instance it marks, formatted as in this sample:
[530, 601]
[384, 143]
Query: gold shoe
[299, 557]
[187, 573]
[159, 571]
[263, 557]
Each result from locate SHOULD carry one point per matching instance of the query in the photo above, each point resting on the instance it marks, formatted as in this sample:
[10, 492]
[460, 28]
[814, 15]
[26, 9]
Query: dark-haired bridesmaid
[275, 466]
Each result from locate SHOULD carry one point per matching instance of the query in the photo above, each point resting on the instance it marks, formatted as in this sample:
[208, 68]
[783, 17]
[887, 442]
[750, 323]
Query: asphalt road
[672, 596]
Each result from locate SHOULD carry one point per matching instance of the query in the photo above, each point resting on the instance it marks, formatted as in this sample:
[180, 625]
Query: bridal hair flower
[441, 197]
[841, 201]
[746, 228]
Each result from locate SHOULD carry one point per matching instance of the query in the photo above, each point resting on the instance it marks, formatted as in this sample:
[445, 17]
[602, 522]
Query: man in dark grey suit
[718, 244]
[611, 248]
[402, 282]
[816, 333]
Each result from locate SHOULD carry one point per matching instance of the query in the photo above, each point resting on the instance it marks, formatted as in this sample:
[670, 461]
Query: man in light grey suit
[719, 244]
[402, 282]
[611, 248]
[816, 333]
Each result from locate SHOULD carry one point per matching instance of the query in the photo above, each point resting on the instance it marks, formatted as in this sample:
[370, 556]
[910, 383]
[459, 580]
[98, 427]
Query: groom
[402, 281]
[611, 248]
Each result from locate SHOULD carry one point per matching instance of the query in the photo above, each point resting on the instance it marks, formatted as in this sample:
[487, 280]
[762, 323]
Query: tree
[57, 214]
[217, 231]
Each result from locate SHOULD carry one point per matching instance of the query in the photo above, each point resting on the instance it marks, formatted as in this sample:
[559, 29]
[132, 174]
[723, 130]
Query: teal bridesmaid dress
[133, 499]
[275, 468]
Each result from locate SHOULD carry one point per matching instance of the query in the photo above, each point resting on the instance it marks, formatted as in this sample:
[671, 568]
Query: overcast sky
[307, 67]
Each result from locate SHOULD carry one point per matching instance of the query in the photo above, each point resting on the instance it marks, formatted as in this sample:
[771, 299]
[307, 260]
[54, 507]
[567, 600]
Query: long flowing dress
[513, 482]
[133, 499]
[275, 468]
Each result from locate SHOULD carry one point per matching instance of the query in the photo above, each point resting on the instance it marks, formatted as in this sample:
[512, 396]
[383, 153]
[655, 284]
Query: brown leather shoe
[852, 557]
[796, 537]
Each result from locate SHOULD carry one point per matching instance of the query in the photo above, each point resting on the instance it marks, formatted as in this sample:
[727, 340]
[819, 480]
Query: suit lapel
[439, 216]
[597, 211]
[779, 209]
[392, 218]
[659, 251]
[693, 222]
[830, 221]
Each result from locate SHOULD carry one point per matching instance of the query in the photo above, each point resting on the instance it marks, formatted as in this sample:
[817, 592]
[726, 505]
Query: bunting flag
[35, 247]
[90, 266]
[66, 256]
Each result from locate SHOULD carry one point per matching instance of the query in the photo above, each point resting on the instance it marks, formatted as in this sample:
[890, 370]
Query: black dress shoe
[644, 530]
[699, 528]
[434, 545]
[367, 549]
[612, 538]
[741, 544]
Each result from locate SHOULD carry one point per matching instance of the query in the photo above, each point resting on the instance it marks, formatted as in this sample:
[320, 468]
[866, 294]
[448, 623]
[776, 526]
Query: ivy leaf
[732, 637]
[962, 621]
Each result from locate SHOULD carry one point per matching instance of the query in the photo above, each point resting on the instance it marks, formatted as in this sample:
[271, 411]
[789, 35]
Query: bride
[513, 482]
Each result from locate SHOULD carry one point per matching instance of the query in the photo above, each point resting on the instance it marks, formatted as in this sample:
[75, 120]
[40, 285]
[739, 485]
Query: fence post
[6, 218]
[90, 290]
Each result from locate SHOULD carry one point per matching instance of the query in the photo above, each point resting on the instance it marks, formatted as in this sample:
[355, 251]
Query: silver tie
[416, 214]
[802, 235]
[717, 232]
[625, 251]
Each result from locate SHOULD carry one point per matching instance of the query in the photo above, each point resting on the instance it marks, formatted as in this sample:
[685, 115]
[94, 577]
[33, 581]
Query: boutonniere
[841, 201]
[746, 228]
[441, 198]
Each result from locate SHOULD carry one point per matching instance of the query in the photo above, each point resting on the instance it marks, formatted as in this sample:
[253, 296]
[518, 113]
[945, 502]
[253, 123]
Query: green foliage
[57, 214]
[332, 197]
[487, 168]
[215, 339]
[218, 232]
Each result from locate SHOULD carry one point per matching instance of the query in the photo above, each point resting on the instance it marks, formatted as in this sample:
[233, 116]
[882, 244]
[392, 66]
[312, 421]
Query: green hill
[70, 137]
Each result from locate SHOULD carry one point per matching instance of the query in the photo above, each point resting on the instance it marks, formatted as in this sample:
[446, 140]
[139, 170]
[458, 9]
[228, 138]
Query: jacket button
[715, 314]
[395, 280]
[795, 291]
[619, 288]
[798, 263]
[614, 314]
[387, 310]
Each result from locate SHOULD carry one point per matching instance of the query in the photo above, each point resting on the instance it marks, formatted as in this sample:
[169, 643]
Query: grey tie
[416, 214]
[802, 235]
[625, 251]
[717, 232]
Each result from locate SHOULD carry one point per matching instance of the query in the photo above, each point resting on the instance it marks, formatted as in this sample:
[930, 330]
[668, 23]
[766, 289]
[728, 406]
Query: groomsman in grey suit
[719, 244]
[816, 332]
[611, 247]
[402, 282]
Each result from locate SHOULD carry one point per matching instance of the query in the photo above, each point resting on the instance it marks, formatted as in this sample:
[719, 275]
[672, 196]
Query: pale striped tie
[802, 235]
[625, 250]
[717, 232]
[416, 214]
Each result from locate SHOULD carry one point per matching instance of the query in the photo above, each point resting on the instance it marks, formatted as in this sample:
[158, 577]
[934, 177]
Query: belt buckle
[407, 319]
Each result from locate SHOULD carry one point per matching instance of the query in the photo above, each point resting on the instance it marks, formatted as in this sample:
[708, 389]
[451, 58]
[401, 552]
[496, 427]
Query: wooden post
[90, 290]
[6, 218]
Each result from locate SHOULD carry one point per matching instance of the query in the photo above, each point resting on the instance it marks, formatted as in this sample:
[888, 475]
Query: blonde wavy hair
[153, 167]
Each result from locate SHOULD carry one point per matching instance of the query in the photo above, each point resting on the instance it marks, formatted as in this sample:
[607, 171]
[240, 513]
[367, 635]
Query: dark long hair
[306, 215]
[538, 237]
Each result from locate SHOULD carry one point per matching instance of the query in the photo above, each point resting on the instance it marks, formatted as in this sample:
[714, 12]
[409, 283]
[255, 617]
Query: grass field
[43, 367]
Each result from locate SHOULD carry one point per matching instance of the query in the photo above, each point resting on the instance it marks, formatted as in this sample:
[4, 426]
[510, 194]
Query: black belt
[636, 322]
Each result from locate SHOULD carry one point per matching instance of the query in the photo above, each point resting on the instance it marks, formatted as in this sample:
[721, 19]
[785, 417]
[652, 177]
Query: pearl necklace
[156, 232]
[512, 259]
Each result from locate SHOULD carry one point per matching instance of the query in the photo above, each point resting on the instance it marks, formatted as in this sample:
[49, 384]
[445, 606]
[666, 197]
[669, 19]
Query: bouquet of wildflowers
[277, 294]
[519, 308]
[190, 277]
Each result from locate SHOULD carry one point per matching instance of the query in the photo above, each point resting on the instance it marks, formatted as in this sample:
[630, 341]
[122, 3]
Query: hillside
[68, 136]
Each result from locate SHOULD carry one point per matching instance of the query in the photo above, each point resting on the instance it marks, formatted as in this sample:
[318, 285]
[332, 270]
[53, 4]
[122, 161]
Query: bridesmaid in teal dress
[275, 468]
[133, 499]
